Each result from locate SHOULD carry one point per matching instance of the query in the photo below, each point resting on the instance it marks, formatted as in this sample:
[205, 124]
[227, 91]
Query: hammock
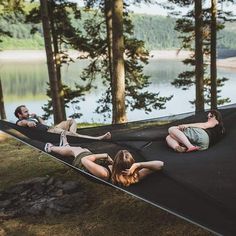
[198, 187]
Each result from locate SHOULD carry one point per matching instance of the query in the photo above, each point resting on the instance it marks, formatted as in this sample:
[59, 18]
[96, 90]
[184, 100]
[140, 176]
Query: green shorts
[197, 137]
[77, 160]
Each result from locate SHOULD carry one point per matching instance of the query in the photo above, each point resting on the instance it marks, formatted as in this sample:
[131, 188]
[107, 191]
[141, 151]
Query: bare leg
[172, 142]
[180, 137]
[105, 136]
[175, 144]
[64, 151]
[73, 126]
[69, 125]
[68, 150]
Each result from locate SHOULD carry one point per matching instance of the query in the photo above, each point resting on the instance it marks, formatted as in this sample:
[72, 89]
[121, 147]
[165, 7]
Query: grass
[107, 212]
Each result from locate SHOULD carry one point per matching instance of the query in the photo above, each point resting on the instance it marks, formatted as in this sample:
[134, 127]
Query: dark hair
[218, 117]
[18, 110]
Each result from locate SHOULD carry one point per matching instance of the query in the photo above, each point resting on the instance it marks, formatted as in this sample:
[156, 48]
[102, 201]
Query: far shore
[39, 55]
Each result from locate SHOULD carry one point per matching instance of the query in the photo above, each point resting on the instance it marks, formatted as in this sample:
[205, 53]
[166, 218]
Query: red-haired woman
[123, 170]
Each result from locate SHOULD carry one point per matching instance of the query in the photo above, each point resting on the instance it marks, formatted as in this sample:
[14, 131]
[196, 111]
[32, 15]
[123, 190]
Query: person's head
[122, 161]
[215, 114]
[21, 112]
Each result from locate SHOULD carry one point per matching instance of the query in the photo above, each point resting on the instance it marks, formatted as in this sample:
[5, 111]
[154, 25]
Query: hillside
[156, 31]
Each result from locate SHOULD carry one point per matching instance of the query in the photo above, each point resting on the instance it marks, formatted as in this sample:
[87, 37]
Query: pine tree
[185, 26]
[118, 83]
[135, 57]
[52, 73]
[2, 107]
[64, 35]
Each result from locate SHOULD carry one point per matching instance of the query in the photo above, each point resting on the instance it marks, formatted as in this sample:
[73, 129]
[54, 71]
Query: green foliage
[136, 56]
[64, 35]
[185, 26]
[17, 33]
[156, 31]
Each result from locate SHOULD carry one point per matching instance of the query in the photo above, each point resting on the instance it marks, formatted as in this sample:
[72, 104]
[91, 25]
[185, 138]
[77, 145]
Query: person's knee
[172, 129]
[168, 138]
[71, 121]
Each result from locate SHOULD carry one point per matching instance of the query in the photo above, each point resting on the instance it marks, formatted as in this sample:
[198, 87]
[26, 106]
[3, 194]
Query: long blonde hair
[122, 161]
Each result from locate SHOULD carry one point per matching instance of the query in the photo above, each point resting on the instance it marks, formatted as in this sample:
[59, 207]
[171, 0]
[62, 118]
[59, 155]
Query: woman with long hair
[123, 170]
[196, 136]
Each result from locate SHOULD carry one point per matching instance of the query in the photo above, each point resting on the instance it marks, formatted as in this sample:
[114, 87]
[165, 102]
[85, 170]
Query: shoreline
[34, 56]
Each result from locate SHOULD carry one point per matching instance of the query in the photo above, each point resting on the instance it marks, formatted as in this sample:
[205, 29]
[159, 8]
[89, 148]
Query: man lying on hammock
[26, 119]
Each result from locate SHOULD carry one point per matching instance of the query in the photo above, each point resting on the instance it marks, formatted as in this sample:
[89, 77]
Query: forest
[156, 31]
[117, 43]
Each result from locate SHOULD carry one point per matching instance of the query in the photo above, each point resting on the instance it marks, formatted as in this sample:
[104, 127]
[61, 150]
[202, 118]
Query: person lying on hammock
[196, 136]
[123, 170]
[33, 121]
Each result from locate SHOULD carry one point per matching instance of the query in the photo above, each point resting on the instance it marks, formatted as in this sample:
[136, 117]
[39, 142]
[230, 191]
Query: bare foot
[106, 136]
[47, 147]
[180, 149]
[193, 149]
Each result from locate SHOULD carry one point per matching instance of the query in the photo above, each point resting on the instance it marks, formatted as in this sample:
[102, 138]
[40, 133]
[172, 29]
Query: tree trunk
[213, 55]
[118, 62]
[199, 68]
[55, 92]
[57, 62]
[2, 107]
[108, 17]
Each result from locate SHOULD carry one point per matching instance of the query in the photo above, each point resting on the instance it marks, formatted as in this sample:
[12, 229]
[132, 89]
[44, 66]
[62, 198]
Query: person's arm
[26, 123]
[40, 120]
[89, 163]
[145, 168]
[203, 125]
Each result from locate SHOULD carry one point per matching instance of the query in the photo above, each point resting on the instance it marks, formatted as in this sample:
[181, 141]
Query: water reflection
[23, 80]
[26, 83]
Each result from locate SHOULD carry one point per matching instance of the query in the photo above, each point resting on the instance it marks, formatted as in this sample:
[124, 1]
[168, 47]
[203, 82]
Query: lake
[26, 83]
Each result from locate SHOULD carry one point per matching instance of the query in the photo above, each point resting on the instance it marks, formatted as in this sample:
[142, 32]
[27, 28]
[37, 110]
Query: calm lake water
[26, 83]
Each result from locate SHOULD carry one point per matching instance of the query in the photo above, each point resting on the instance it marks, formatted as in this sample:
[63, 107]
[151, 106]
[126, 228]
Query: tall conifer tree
[199, 68]
[213, 67]
[2, 107]
[118, 63]
[54, 86]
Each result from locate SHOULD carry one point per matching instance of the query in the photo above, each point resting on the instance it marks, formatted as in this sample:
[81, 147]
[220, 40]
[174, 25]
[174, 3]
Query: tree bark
[108, 17]
[2, 107]
[199, 68]
[55, 92]
[213, 55]
[57, 62]
[118, 62]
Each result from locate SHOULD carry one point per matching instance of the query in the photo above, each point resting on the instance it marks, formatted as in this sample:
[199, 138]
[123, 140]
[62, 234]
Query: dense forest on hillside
[157, 32]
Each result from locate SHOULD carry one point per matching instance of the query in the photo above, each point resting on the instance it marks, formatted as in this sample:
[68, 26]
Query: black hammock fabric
[197, 186]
